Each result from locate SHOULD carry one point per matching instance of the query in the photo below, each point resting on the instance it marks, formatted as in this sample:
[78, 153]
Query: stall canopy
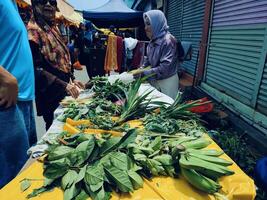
[65, 8]
[114, 12]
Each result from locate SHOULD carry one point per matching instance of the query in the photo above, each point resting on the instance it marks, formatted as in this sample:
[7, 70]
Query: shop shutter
[174, 17]
[192, 25]
[242, 12]
[233, 60]
[262, 99]
[235, 48]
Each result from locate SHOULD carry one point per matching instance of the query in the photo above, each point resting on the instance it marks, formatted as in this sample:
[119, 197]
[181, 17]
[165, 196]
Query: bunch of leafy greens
[102, 122]
[96, 107]
[72, 111]
[106, 90]
[136, 105]
[89, 167]
[162, 124]
[179, 109]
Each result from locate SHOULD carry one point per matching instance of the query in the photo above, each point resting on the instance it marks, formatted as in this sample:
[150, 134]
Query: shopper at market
[54, 79]
[17, 125]
[161, 54]
[83, 44]
[79, 44]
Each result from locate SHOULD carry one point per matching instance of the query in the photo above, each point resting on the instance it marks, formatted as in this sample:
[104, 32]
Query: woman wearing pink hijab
[161, 54]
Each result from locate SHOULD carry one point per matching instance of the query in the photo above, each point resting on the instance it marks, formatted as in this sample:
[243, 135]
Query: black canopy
[114, 12]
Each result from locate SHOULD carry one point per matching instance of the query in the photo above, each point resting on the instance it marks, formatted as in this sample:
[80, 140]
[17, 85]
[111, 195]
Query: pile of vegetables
[95, 107]
[101, 153]
[86, 165]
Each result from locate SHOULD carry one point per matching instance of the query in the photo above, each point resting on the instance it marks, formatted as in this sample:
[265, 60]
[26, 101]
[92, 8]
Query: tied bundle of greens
[96, 108]
[106, 90]
[181, 110]
[161, 124]
[86, 166]
[136, 105]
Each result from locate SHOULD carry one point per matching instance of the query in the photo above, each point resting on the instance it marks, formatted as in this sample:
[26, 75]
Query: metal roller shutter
[192, 25]
[236, 69]
[174, 17]
[234, 64]
[262, 99]
[233, 60]
[185, 18]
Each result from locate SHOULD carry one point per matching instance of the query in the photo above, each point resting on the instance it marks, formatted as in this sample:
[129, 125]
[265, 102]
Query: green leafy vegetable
[120, 178]
[25, 184]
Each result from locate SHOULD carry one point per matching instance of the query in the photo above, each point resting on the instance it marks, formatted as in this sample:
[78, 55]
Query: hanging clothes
[138, 55]
[119, 52]
[124, 58]
[130, 44]
[111, 62]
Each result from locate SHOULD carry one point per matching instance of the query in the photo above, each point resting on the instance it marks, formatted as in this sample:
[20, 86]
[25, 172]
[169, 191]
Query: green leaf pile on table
[170, 143]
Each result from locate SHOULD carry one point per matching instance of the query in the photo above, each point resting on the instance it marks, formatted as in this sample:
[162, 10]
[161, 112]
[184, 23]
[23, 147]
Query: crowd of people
[37, 65]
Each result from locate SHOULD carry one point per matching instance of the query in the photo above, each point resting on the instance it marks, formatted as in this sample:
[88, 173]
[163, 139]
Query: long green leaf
[119, 160]
[82, 196]
[124, 140]
[38, 191]
[71, 192]
[94, 175]
[84, 150]
[136, 179]
[120, 178]
[68, 179]
[59, 152]
[25, 184]
[57, 168]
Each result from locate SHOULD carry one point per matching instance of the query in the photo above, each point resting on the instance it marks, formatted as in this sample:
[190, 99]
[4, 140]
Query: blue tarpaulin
[114, 12]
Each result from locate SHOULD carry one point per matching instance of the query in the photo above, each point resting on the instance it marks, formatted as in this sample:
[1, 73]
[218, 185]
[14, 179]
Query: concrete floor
[40, 125]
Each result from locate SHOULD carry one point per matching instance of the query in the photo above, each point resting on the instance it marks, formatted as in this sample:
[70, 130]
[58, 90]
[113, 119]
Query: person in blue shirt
[17, 124]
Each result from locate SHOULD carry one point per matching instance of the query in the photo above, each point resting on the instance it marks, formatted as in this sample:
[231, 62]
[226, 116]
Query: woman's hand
[72, 90]
[79, 84]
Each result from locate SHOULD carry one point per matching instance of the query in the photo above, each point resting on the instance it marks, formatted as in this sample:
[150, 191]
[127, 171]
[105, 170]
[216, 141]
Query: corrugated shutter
[233, 12]
[192, 25]
[262, 99]
[174, 17]
[185, 18]
[235, 48]
[233, 60]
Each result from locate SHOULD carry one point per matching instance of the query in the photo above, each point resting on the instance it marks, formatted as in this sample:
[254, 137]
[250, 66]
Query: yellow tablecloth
[236, 187]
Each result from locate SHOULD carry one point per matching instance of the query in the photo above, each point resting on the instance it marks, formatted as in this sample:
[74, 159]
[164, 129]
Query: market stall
[164, 183]
[115, 13]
